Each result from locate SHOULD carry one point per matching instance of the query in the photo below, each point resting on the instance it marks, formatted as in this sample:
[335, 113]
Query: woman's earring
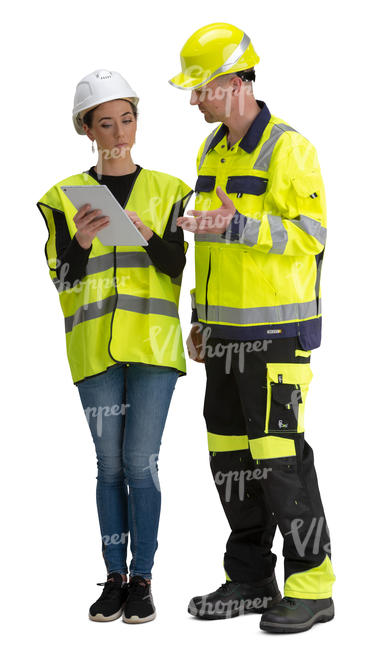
[93, 146]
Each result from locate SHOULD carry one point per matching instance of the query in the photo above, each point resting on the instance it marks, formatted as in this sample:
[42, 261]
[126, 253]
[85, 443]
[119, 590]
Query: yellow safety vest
[124, 309]
[261, 280]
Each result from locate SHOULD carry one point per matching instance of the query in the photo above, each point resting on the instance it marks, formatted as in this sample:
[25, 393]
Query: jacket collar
[254, 133]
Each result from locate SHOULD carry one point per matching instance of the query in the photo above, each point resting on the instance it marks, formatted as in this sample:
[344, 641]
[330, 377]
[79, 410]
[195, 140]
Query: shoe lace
[108, 587]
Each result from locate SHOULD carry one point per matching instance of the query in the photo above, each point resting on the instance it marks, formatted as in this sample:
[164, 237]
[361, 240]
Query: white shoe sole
[136, 619]
[104, 619]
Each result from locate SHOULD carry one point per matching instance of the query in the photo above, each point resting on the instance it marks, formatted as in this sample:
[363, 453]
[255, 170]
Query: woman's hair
[88, 117]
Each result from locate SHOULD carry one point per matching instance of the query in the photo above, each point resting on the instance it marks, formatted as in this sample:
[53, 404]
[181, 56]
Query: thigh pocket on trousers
[287, 388]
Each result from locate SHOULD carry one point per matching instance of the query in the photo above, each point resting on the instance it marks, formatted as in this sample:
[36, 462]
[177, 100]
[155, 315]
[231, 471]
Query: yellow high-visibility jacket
[124, 309]
[261, 277]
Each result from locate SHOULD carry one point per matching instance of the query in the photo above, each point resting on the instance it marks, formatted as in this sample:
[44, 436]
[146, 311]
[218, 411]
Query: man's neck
[238, 125]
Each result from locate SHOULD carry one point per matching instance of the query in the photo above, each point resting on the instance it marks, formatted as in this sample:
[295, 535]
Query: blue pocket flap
[205, 183]
[246, 185]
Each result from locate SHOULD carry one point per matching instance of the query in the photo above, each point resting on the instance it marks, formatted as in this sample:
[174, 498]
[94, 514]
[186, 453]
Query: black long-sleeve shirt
[166, 253]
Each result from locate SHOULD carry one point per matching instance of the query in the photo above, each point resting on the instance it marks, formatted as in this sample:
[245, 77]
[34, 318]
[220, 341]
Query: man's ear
[236, 83]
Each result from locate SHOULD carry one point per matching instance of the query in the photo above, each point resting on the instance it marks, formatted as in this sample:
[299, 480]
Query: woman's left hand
[143, 229]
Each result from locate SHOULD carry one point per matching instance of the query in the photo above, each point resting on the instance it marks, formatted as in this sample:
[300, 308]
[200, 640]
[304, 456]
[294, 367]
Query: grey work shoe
[297, 615]
[236, 598]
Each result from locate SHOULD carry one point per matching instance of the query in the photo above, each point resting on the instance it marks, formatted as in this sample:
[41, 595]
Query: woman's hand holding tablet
[119, 230]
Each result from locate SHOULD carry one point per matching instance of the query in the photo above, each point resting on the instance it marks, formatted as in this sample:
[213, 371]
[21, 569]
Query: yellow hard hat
[212, 51]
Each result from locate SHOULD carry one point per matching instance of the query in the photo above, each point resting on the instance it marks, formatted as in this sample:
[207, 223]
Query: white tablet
[121, 231]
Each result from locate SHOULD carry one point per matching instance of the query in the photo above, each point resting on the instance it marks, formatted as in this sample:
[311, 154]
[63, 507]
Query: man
[260, 232]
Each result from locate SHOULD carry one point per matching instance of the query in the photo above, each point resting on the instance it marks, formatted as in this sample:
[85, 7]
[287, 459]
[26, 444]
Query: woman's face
[113, 127]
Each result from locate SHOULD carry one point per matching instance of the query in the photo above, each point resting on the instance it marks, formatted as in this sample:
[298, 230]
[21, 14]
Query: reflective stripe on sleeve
[311, 227]
[250, 233]
[278, 233]
[209, 237]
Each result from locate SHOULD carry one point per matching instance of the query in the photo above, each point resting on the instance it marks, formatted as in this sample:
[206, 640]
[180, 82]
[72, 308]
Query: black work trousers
[261, 464]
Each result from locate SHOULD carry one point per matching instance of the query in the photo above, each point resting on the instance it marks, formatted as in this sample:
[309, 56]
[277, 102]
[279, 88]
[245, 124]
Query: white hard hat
[98, 87]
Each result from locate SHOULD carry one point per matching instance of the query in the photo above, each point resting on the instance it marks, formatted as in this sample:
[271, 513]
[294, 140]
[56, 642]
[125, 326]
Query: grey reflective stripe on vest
[311, 227]
[130, 259]
[206, 147]
[264, 157]
[158, 306]
[130, 303]
[87, 312]
[257, 315]
[60, 285]
[127, 259]
[133, 259]
[101, 263]
[278, 233]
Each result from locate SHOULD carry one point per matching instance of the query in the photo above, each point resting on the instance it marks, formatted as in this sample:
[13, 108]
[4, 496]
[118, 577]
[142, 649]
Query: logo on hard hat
[103, 74]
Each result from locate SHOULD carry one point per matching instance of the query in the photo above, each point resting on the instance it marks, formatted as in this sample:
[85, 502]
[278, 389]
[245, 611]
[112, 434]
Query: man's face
[213, 100]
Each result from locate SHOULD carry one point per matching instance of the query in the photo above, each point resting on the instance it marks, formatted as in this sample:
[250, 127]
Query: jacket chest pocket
[247, 193]
[205, 183]
[203, 189]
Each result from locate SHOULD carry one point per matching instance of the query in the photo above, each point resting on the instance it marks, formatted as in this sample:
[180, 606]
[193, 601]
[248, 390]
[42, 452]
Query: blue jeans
[126, 409]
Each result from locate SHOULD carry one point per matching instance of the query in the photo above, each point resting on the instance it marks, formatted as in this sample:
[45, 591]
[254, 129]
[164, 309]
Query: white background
[312, 74]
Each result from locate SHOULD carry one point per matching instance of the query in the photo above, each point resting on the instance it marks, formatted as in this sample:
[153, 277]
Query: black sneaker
[110, 604]
[139, 607]
[297, 615]
[235, 598]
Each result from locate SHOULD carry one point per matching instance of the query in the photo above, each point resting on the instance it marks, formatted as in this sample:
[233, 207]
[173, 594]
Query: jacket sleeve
[194, 316]
[168, 252]
[297, 223]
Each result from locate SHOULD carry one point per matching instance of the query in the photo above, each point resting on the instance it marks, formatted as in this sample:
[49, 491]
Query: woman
[123, 337]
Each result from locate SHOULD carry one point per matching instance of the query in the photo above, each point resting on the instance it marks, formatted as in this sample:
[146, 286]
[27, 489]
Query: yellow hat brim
[185, 82]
